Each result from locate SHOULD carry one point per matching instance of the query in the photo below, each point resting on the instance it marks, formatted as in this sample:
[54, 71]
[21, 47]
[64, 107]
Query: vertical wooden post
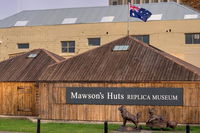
[187, 128]
[105, 127]
[38, 125]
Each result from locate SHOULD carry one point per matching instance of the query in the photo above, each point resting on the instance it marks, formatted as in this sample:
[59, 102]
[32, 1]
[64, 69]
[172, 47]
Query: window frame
[145, 1]
[192, 38]
[114, 2]
[68, 47]
[92, 44]
[146, 35]
[136, 1]
[22, 45]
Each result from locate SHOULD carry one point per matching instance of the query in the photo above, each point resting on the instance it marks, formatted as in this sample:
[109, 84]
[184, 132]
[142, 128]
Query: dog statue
[153, 117]
[158, 121]
[127, 116]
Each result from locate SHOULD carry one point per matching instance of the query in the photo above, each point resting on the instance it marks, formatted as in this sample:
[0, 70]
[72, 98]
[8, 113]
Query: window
[145, 1]
[173, 0]
[154, 1]
[23, 46]
[155, 17]
[107, 18]
[163, 1]
[114, 3]
[94, 41]
[32, 55]
[120, 48]
[143, 38]
[136, 2]
[21, 23]
[69, 21]
[192, 38]
[190, 16]
[68, 46]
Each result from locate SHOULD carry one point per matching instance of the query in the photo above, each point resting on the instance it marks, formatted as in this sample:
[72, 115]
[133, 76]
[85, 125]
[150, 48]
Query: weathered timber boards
[52, 103]
[18, 98]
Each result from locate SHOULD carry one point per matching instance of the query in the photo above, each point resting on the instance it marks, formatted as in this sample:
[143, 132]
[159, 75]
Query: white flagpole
[128, 26]
[128, 18]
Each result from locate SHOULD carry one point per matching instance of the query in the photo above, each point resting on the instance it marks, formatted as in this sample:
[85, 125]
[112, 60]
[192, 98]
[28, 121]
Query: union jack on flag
[140, 13]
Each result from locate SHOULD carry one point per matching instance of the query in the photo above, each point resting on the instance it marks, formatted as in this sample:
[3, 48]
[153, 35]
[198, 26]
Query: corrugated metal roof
[140, 63]
[169, 11]
[28, 66]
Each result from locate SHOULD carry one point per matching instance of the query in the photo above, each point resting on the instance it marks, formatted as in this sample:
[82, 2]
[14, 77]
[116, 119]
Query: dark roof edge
[114, 82]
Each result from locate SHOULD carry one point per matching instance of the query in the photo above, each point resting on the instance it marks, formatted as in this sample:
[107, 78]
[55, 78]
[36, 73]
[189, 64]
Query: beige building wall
[50, 37]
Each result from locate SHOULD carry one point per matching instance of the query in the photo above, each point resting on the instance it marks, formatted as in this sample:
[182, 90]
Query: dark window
[94, 41]
[163, 0]
[68, 46]
[114, 2]
[192, 38]
[145, 1]
[23, 46]
[143, 38]
[154, 1]
[136, 1]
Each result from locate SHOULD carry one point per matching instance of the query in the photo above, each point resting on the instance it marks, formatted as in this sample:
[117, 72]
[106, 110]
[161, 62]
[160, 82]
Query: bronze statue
[127, 116]
[158, 121]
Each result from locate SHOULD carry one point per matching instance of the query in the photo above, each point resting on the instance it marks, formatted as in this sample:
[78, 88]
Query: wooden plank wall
[52, 104]
[10, 99]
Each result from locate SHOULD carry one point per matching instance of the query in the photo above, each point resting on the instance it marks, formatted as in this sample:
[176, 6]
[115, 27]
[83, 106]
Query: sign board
[125, 96]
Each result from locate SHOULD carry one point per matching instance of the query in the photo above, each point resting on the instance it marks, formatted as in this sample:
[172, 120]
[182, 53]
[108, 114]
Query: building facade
[66, 33]
[19, 92]
[125, 2]
[93, 85]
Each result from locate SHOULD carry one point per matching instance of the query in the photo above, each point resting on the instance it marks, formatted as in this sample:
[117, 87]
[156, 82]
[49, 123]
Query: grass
[19, 125]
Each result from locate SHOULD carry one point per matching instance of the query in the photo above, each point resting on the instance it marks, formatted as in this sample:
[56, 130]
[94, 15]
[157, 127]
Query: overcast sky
[10, 7]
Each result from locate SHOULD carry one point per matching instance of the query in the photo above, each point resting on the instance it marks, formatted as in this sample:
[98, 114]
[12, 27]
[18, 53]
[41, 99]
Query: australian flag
[140, 13]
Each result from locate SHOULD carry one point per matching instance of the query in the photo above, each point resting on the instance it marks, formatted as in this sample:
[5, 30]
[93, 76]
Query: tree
[193, 3]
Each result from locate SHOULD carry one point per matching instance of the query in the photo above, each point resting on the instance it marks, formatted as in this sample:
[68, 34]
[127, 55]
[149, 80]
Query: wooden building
[123, 65]
[18, 76]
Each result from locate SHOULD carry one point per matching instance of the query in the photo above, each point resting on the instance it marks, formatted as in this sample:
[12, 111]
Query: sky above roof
[10, 7]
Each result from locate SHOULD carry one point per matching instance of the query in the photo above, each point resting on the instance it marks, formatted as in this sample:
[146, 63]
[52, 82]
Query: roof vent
[32, 55]
[121, 48]
[190, 16]
[107, 19]
[21, 23]
[155, 17]
[69, 21]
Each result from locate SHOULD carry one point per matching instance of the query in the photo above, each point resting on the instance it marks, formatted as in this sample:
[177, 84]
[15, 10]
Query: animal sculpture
[127, 116]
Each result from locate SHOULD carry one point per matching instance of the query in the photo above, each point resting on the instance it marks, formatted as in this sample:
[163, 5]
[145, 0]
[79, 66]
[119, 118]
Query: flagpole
[128, 19]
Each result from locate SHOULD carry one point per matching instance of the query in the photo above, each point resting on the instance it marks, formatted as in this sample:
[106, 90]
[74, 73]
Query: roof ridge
[170, 57]
[187, 7]
[51, 55]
